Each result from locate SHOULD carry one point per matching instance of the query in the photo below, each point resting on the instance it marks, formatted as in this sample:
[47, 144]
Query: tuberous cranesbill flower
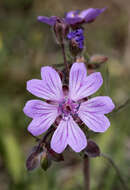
[68, 105]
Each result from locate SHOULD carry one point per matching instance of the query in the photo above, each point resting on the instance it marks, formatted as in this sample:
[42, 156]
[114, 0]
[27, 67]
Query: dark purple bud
[33, 161]
[61, 29]
[92, 149]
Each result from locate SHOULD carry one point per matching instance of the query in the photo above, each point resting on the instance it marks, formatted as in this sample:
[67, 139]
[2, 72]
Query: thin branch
[109, 159]
[86, 172]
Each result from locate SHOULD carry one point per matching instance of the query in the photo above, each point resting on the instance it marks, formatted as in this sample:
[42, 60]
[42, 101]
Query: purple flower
[68, 105]
[74, 17]
[85, 16]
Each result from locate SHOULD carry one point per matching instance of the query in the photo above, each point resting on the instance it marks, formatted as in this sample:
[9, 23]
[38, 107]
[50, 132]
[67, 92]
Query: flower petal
[51, 21]
[90, 14]
[76, 138]
[99, 105]
[81, 86]
[69, 133]
[38, 108]
[74, 20]
[40, 124]
[52, 83]
[49, 88]
[95, 122]
[77, 77]
[59, 138]
[71, 14]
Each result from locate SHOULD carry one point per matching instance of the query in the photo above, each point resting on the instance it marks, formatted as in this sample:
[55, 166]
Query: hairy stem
[44, 139]
[86, 172]
[64, 56]
[109, 159]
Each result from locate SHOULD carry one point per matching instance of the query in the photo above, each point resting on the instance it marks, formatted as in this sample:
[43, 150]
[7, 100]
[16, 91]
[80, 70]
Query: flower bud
[92, 149]
[98, 59]
[45, 162]
[33, 161]
[61, 28]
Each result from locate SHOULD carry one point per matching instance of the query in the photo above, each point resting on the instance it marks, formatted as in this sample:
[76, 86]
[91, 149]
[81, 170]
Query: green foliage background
[25, 46]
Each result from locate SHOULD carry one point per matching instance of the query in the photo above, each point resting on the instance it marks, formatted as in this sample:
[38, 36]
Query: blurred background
[25, 46]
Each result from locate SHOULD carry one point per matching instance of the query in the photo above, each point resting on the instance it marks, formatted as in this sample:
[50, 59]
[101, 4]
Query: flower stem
[86, 171]
[109, 159]
[64, 56]
[50, 130]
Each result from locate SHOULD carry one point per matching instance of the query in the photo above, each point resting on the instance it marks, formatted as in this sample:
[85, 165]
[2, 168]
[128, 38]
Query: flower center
[68, 107]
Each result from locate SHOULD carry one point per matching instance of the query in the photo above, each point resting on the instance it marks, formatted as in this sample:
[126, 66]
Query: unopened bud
[33, 161]
[98, 59]
[45, 162]
[92, 149]
[61, 28]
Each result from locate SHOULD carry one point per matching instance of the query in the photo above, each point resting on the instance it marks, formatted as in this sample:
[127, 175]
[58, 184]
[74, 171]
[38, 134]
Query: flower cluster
[72, 21]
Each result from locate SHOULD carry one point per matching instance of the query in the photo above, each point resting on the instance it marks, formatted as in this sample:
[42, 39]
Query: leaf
[13, 157]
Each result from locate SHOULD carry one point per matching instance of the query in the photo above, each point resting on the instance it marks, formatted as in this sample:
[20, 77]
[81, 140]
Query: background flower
[81, 17]
[74, 17]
